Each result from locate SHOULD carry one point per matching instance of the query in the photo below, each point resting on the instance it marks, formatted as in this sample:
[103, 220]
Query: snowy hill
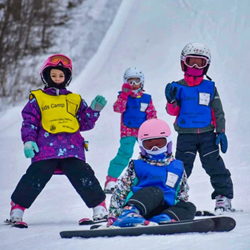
[150, 35]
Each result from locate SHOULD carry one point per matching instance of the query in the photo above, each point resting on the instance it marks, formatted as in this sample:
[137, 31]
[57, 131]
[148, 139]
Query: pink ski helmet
[58, 61]
[155, 128]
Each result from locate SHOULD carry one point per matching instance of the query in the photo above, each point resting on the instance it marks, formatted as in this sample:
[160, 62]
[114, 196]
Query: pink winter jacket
[120, 107]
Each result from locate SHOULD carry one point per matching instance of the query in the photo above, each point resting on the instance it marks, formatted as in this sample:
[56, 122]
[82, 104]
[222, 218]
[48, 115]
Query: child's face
[155, 144]
[57, 76]
[135, 83]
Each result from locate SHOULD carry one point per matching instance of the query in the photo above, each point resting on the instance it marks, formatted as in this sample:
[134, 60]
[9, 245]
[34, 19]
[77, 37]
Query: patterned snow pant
[79, 173]
[220, 177]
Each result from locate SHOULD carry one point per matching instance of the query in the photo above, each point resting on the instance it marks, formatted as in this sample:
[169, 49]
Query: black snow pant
[220, 177]
[150, 202]
[79, 173]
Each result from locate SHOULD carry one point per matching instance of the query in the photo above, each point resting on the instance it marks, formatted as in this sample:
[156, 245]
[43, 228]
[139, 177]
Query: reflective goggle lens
[57, 59]
[154, 144]
[198, 61]
[135, 81]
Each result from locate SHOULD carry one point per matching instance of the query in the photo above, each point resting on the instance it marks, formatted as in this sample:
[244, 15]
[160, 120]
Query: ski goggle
[199, 61]
[154, 144]
[135, 80]
[60, 58]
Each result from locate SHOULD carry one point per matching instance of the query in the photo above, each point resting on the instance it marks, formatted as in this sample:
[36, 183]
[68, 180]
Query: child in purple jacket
[52, 121]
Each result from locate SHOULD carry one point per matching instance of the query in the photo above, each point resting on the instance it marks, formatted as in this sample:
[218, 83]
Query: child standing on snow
[197, 106]
[153, 188]
[135, 107]
[52, 121]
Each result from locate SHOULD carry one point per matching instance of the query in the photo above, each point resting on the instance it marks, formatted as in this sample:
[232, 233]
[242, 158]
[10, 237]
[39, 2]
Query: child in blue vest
[200, 122]
[135, 107]
[154, 188]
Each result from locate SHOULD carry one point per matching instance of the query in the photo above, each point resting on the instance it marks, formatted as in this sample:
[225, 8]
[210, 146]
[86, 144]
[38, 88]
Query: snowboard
[215, 224]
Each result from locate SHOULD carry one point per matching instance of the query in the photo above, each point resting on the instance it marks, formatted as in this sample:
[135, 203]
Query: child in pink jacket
[135, 107]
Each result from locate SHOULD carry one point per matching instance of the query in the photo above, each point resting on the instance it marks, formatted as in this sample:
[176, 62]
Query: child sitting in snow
[154, 188]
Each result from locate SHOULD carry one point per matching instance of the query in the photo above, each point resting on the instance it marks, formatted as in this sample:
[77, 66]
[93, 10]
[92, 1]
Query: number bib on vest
[58, 113]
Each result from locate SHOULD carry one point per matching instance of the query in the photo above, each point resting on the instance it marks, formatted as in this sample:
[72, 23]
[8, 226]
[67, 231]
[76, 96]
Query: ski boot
[222, 204]
[100, 214]
[161, 219]
[130, 217]
[16, 216]
[110, 183]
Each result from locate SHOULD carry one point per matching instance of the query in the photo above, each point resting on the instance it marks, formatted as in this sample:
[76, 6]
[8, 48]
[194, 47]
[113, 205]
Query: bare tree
[25, 29]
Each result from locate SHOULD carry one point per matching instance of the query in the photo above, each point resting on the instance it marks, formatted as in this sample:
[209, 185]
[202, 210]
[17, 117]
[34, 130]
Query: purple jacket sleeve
[86, 116]
[31, 121]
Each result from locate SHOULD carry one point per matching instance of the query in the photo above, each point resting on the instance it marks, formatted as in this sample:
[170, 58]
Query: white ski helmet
[196, 49]
[133, 72]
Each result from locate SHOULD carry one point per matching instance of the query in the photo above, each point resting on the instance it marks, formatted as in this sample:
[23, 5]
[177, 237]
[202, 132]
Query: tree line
[26, 29]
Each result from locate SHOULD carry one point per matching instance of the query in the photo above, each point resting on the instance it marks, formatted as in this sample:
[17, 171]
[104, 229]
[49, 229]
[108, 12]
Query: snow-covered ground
[150, 35]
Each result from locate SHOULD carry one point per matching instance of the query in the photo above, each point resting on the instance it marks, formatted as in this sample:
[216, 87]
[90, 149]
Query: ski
[204, 213]
[87, 221]
[223, 223]
[199, 226]
[18, 224]
[217, 212]
[212, 224]
[108, 191]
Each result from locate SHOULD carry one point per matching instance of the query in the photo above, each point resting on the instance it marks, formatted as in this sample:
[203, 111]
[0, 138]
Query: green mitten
[29, 148]
[98, 103]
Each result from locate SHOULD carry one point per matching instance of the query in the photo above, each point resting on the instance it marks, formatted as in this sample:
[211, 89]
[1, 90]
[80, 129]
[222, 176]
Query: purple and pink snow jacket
[61, 145]
[120, 107]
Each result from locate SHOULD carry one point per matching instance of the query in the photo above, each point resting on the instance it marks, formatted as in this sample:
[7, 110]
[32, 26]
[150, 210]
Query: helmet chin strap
[136, 91]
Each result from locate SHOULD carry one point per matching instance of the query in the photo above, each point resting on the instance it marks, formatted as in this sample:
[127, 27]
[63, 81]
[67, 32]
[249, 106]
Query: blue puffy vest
[135, 113]
[167, 178]
[195, 104]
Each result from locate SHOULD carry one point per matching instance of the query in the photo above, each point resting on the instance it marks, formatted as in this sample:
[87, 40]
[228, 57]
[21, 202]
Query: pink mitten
[126, 90]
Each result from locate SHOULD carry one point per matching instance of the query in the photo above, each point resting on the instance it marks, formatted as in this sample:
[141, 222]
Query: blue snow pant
[220, 177]
[79, 173]
[125, 152]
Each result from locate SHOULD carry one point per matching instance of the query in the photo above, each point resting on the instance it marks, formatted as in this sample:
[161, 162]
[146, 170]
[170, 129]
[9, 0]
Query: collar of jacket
[192, 81]
[157, 163]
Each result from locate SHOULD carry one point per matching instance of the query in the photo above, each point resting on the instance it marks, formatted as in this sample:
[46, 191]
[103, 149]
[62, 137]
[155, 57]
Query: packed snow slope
[150, 35]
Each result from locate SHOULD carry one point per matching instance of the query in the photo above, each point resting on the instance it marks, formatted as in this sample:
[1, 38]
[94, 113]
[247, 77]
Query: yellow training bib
[58, 113]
